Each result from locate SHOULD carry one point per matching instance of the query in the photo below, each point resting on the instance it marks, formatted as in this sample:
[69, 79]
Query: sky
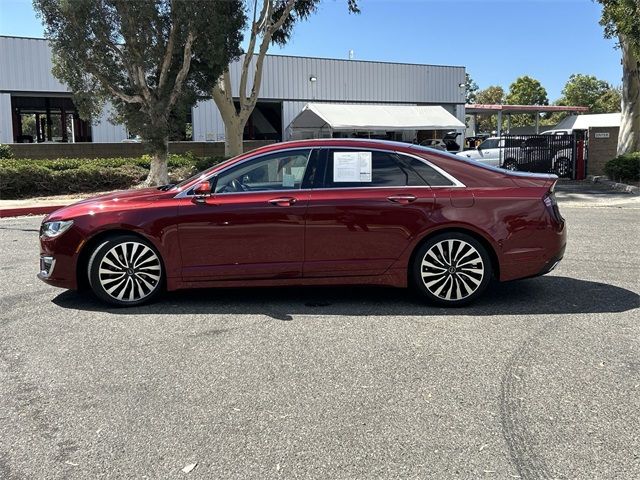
[496, 40]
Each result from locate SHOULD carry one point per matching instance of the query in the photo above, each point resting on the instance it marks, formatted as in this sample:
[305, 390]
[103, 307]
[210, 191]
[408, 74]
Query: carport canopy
[342, 116]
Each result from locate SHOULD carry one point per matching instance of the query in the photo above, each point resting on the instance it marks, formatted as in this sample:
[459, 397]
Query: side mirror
[201, 191]
[203, 188]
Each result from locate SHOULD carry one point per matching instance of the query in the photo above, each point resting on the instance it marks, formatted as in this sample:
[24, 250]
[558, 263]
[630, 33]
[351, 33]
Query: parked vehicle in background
[434, 143]
[563, 131]
[547, 152]
[313, 212]
[447, 143]
[492, 152]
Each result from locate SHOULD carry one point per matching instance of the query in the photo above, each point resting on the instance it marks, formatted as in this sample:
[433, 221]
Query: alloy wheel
[452, 269]
[129, 272]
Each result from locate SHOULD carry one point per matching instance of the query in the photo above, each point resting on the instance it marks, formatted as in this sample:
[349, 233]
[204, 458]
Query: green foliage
[21, 178]
[5, 151]
[588, 91]
[621, 18]
[527, 91]
[493, 95]
[471, 89]
[625, 168]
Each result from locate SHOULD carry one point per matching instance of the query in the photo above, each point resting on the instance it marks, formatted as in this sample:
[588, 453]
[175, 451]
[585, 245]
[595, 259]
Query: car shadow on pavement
[542, 295]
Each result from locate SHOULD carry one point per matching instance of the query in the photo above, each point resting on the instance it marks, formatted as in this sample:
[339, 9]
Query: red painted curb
[33, 210]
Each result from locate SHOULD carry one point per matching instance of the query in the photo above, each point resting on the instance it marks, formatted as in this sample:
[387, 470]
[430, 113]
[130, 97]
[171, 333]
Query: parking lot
[540, 379]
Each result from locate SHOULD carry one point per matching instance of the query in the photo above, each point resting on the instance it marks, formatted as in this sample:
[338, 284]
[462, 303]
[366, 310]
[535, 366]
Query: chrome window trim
[456, 183]
[183, 193]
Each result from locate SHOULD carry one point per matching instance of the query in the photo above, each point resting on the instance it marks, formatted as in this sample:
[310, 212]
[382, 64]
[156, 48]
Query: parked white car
[492, 152]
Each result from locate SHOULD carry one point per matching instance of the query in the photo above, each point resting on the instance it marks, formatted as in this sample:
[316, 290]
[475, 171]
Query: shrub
[22, 178]
[625, 168]
[5, 151]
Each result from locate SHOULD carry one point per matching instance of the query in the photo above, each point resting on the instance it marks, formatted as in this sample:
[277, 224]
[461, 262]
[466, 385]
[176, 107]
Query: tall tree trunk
[158, 173]
[233, 136]
[234, 120]
[629, 137]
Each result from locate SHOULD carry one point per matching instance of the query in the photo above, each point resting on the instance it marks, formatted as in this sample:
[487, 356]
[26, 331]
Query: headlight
[55, 229]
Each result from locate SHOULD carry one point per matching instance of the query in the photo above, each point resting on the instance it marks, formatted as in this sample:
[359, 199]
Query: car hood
[112, 201]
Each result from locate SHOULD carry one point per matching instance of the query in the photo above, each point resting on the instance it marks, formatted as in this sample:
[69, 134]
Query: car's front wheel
[125, 270]
[452, 269]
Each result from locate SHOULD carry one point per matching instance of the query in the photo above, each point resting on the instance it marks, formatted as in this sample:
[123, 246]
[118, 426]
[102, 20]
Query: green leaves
[588, 91]
[527, 91]
[29, 178]
[151, 59]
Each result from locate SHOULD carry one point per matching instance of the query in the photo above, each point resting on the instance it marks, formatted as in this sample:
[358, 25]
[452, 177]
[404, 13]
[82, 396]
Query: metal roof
[494, 108]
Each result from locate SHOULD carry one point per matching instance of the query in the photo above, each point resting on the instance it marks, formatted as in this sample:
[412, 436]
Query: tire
[510, 164]
[125, 270]
[563, 168]
[462, 278]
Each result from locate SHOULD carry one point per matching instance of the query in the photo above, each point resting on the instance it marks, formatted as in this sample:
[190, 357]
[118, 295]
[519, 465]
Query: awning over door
[340, 116]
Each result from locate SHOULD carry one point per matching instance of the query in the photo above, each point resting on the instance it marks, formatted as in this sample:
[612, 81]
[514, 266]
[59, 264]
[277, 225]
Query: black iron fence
[541, 153]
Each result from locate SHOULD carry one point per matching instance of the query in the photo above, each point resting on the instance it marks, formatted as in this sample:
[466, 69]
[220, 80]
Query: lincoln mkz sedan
[313, 212]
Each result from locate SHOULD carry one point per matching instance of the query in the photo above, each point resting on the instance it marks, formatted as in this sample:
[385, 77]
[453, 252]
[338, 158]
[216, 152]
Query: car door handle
[403, 199]
[283, 202]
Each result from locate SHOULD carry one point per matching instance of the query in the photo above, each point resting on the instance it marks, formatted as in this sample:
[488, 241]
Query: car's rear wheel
[452, 269]
[125, 270]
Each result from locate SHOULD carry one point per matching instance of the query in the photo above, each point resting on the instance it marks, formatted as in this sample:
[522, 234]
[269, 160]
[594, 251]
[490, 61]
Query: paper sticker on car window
[288, 180]
[352, 167]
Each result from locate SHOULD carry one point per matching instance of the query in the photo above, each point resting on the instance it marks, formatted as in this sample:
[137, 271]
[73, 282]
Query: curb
[32, 210]
[619, 187]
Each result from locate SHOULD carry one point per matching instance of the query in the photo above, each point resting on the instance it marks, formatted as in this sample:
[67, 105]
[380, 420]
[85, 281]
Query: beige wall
[601, 150]
[111, 150]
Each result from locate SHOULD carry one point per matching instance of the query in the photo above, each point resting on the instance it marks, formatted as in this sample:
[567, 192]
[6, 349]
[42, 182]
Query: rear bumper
[532, 262]
[553, 263]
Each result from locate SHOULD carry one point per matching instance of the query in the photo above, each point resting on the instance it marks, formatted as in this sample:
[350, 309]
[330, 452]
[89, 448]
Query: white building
[32, 99]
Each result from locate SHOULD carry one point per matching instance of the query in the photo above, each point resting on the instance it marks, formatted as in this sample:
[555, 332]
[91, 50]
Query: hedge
[625, 168]
[23, 178]
[5, 151]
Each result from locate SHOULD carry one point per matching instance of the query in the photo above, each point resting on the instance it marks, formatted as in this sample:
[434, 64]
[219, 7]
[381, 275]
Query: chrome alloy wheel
[129, 272]
[452, 269]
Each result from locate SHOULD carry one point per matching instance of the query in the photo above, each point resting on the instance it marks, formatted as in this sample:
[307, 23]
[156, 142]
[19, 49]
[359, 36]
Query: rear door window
[364, 168]
[424, 174]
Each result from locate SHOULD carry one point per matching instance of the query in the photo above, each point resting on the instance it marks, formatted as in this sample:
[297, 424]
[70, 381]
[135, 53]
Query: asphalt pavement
[538, 380]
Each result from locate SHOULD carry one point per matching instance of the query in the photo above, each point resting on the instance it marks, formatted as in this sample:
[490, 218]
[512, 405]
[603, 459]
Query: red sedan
[313, 212]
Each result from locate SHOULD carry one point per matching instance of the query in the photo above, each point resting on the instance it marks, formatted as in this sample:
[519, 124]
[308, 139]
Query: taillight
[551, 204]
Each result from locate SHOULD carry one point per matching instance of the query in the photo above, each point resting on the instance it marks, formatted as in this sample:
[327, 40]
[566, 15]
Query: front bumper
[58, 259]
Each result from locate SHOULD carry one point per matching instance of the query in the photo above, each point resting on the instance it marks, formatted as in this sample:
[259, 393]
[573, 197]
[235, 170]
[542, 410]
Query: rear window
[424, 174]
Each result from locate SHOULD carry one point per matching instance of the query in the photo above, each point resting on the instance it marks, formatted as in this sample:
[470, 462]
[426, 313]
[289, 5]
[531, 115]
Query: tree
[492, 95]
[470, 88]
[587, 91]
[526, 91]
[272, 22]
[621, 20]
[146, 57]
